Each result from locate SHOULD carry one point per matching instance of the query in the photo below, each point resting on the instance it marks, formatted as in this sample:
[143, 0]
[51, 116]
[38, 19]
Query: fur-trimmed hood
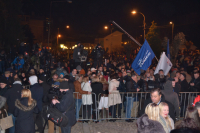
[23, 107]
[145, 125]
[2, 101]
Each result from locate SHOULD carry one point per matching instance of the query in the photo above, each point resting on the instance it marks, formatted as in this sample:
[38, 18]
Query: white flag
[164, 64]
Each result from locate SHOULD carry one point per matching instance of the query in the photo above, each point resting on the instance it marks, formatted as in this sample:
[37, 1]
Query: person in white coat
[86, 98]
[114, 97]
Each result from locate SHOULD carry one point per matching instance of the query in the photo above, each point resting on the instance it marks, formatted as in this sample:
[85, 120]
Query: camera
[55, 93]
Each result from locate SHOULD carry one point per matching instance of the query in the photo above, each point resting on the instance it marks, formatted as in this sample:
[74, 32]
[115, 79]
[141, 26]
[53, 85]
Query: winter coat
[12, 95]
[177, 88]
[21, 62]
[67, 101]
[196, 87]
[114, 96]
[145, 125]
[165, 124]
[184, 86]
[77, 86]
[97, 89]
[3, 90]
[46, 88]
[131, 86]
[171, 107]
[171, 96]
[86, 98]
[37, 94]
[25, 118]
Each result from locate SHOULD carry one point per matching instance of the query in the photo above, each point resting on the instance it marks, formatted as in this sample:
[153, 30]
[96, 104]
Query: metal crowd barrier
[122, 110]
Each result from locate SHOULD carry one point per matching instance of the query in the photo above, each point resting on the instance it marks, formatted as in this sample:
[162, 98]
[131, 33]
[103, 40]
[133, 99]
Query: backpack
[54, 115]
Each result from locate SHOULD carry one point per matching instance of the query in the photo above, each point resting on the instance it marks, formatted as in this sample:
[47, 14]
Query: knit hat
[64, 85]
[62, 74]
[3, 80]
[33, 79]
[78, 68]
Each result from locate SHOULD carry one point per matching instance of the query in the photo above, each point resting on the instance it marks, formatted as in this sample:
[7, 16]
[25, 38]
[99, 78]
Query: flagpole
[133, 39]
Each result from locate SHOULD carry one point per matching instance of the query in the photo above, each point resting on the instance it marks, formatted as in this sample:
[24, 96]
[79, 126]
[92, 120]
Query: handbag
[6, 122]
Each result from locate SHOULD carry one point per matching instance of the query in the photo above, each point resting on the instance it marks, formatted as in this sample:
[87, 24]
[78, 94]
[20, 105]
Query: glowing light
[61, 45]
[90, 47]
[106, 27]
[171, 22]
[134, 12]
[59, 35]
[67, 26]
[75, 45]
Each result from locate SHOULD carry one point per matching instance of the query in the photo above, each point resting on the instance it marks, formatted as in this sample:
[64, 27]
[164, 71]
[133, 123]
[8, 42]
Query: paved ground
[119, 126]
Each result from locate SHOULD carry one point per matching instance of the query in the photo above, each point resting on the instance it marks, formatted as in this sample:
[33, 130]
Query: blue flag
[168, 52]
[143, 58]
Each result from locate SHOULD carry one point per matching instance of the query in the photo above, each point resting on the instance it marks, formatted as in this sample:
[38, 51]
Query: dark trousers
[39, 122]
[87, 111]
[66, 129]
[112, 110]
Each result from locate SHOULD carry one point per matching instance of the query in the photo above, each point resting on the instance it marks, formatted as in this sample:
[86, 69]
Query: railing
[128, 107]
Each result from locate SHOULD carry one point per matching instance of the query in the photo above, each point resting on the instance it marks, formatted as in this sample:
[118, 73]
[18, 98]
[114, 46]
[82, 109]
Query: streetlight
[172, 29]
[106, 27]
[67, 26]
[58, 36]
[134, 12]
[69, 1]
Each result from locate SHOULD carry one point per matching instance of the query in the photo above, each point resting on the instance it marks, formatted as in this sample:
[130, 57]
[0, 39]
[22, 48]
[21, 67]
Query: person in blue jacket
[18, 62]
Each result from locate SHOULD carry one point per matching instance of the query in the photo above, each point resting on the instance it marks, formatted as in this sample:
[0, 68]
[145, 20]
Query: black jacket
[24, 113]
[46, 88]
[97, 88]
[131, 86]
[76, 54]
[184, 86]
[12, 95]
[67, 101]
[37, 94]
[171, 107]
[196, 87]
[177, 88]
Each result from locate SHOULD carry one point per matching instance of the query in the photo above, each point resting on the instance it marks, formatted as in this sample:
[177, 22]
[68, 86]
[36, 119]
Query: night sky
[87, 18]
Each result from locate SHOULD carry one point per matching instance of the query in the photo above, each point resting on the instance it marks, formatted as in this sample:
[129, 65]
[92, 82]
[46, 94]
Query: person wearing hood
[24, 111]
[46, 87]
[37, 94]
[12, 95]
[171, 96]
[3, 86]
[24, 78]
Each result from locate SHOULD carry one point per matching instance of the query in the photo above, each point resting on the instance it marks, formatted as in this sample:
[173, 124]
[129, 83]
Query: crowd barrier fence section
[123, 105]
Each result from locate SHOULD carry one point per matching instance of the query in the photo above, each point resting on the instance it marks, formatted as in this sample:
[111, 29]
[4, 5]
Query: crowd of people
[104, 90]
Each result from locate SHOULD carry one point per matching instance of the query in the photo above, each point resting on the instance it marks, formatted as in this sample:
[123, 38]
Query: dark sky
[87, 18]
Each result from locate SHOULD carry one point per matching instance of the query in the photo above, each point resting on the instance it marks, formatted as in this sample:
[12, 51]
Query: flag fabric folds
[144, 58]
[168, 52]
[164, 64]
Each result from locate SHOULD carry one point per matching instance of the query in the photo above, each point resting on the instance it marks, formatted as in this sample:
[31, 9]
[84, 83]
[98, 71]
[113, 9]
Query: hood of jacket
[145, 125]
[2, 101]
[168, 86]
[23, 107]
[33, 80]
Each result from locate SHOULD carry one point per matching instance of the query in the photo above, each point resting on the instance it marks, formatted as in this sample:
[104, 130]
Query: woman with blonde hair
[148, 122]
[86, 98]
[164, 118]
[24, 109]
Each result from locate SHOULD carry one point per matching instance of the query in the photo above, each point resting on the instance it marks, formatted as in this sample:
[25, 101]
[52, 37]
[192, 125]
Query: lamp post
[134, 12]
[172, 29]
[69, 1]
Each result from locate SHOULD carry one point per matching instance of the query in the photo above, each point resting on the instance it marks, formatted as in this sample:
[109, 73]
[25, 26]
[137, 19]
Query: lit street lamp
[106, 27]
[67, 26]
[134, 12]
[58, 36]
[172, 29]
